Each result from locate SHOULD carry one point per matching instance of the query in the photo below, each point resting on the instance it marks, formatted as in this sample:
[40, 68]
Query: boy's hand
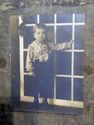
[31, 74]
[70, 43]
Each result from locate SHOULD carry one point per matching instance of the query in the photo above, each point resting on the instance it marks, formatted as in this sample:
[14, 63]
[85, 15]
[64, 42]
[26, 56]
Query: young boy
[40, 64]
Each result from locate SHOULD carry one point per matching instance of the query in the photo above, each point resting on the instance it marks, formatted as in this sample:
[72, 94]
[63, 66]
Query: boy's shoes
[42, 100]
[45, 101]
[36, 100]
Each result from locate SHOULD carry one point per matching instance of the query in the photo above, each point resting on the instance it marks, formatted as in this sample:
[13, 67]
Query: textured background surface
[27, 118]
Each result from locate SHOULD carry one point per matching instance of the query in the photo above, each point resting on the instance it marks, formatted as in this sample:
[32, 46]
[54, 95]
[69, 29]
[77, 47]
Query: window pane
[28, 36]
[64, 33]
[80, 18]
[64, 18]
[25, 53]
[79, 39]
[30, 86]
[47, 18]
[78, 63]
[63, 88]
[29, 19]
[63, 63]
[78, 89]
[50, 33]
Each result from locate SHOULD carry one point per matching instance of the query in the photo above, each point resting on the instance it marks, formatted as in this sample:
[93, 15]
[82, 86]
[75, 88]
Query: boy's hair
[38, 26]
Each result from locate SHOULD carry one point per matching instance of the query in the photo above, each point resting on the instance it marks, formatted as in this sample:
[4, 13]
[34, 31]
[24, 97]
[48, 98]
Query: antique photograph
[47, 60]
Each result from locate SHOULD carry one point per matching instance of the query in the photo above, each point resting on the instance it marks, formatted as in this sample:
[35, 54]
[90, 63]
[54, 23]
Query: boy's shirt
[40, 51]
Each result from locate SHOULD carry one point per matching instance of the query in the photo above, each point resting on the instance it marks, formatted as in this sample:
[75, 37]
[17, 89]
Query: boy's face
[39, 35]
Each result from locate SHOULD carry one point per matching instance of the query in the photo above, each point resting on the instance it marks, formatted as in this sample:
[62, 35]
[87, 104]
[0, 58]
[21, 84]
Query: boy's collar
[39, 42]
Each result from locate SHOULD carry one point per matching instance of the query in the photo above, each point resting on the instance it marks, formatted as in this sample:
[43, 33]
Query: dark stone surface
[28, 118]
[6, 116]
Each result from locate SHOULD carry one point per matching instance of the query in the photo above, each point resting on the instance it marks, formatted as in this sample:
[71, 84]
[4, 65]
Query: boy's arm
[29, 64]
[62, 46]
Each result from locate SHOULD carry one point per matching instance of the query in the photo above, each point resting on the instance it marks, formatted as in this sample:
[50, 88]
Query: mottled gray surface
[28, 118]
